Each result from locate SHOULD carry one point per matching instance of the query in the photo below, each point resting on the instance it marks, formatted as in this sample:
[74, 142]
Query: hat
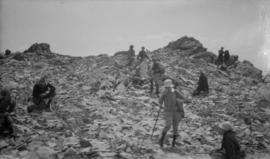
[168, 83]
[143, 47]
[226, 126]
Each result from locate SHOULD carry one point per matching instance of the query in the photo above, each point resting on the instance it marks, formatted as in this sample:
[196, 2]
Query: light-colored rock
[123, 58]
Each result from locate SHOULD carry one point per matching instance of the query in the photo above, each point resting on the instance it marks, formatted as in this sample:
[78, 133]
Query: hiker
[220, 59]
[202, 85]
[173, 110]
[226, 57]
[230, 148]
[7, 52]
[142, 55]
[7, 107]
[43, 94]
[157, 72]
[131, 50]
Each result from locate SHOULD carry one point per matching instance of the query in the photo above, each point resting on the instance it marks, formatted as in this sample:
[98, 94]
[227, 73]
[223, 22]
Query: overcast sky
[91, 27]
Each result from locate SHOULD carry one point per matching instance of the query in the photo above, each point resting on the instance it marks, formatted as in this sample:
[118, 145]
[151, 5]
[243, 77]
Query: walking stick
[155, 123]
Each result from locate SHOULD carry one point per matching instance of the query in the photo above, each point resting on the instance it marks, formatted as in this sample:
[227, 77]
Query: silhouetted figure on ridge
[142, 55]
[7, 52]
[226, 57]
[220, 59]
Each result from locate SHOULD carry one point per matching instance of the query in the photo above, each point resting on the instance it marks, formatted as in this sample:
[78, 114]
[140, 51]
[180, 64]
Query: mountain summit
[99, 112]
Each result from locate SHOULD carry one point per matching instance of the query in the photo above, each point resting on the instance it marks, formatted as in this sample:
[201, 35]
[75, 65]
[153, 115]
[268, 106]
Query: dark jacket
[169, 99]
[40, 89]
[230, 145]
[131, 52]
[142, 55]
[226, 55]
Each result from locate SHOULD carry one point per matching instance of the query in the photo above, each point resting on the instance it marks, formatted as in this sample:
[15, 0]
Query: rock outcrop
[123, 58]
[39, 48]
[186, 43]
[207, 56]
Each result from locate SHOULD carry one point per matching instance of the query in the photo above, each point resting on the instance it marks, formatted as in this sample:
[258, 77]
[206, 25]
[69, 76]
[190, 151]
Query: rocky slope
[98, 113]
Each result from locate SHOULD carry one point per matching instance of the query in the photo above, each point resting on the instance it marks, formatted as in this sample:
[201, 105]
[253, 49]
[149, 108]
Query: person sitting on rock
[226, 57]
[7, 107]
[43, 94]
[202, 85]
[156, 74]
[142, 55]
[173, 110]
[230, 148]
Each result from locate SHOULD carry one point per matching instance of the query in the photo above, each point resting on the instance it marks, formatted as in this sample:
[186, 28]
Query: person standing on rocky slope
[156, 74]
[230, 148]
[131, 54]
[226, 57]
[7, 107]
[43, 94]
[173, 110]
[220, 59]
[202, 85]
[142, 55]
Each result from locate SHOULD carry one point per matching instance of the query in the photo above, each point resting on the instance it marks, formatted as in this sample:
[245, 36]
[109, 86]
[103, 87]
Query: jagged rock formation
[186, 43]
[99, 112]
[247, 69]
[38, 48]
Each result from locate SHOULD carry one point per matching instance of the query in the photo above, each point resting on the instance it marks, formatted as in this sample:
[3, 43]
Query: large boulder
[233, 60]
[186, 43]
[264, 92]
[207, 56]
[123, 58]
[39, 48]
[247, 69]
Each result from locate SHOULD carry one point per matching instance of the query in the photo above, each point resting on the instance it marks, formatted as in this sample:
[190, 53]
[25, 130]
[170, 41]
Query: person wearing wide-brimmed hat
[173, 110]
[230, 148]
[43, 94]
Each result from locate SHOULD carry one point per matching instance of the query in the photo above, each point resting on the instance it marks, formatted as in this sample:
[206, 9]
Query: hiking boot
[161, 141]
